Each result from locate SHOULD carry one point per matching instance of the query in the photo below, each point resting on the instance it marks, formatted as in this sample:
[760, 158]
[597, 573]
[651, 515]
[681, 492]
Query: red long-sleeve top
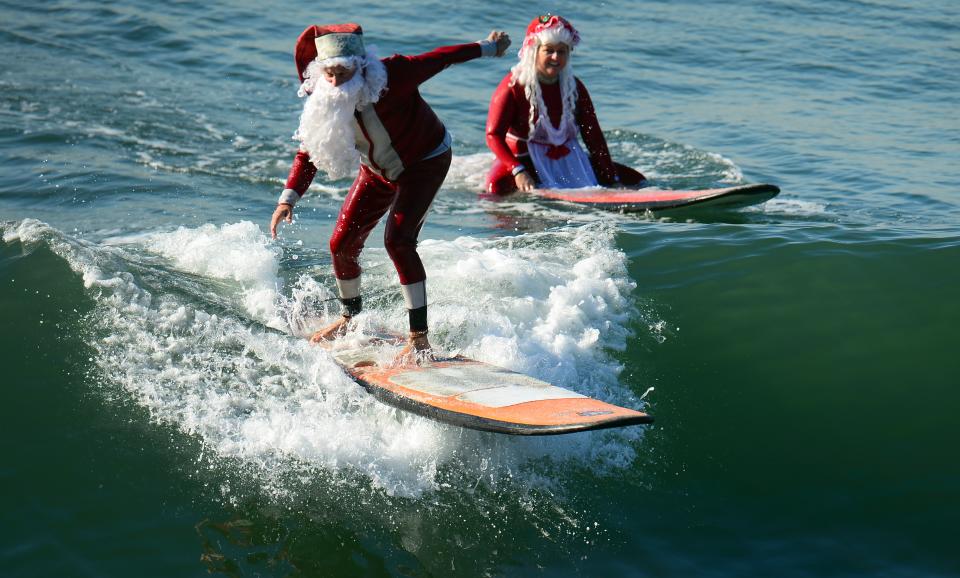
[510, 113]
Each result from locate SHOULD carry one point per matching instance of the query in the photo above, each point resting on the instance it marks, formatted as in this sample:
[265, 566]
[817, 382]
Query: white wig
[525, 73]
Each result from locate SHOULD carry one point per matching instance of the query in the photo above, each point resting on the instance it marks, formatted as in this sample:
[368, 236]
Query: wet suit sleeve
[502, 110]
[593, 137]
[301, 173]
[409, 72]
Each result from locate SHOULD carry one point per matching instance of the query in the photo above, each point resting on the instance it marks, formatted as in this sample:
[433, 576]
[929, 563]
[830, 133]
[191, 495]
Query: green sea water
[162, 416]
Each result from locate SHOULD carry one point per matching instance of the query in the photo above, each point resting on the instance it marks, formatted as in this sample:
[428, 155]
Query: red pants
[370, 197]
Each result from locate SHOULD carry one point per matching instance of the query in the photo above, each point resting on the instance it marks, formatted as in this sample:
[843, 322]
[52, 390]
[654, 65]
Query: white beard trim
[326, 124]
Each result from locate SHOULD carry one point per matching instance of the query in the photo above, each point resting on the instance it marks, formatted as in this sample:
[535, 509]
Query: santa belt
[553, 152]
[510, 135]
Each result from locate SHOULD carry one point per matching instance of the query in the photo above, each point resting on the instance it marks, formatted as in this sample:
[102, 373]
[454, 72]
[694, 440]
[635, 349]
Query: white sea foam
[664, 160]
[239, 252]
[545, 304]
[794, 207]
[469, 171]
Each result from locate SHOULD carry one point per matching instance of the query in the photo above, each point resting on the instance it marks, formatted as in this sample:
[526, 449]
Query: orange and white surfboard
[480, 396]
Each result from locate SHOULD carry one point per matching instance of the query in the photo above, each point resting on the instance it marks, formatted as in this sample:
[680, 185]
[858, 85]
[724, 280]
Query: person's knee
[345, 247]
[628, 176]
[500, 181]
[502, 186]
[399, 246]
[337, 245]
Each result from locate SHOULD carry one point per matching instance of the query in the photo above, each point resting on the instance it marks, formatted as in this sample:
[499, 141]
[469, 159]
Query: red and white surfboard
[651, 199]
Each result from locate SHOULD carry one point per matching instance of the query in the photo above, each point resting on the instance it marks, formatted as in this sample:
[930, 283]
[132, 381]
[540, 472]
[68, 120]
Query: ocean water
[164, 417]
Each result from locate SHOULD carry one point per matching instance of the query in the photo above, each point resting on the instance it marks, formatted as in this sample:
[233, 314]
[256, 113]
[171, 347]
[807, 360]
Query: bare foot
[336, 329]
[415, 352]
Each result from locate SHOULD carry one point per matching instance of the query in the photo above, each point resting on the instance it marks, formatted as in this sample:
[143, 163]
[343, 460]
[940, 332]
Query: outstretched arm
[413, 71]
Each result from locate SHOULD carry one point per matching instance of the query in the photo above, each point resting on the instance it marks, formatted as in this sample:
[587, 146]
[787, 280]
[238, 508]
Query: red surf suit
[508, 127]
[395, 137]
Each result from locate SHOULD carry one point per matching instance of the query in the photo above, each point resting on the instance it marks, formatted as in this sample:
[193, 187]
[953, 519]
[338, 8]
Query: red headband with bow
[546, 22]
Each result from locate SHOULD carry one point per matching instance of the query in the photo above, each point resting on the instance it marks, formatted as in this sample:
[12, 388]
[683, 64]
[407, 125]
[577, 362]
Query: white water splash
[662, 160]
[469, 171]
[545, 304]
[239, 252]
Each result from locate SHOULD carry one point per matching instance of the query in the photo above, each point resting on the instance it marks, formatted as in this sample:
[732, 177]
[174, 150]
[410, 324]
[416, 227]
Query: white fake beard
[326, 127]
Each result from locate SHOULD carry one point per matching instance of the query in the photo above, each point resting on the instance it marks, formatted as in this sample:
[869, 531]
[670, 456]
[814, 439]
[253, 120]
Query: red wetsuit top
[510, 115]
[400, 129]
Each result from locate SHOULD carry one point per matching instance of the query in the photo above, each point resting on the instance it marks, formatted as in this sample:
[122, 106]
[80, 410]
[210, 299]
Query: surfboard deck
[652, 199]
[476, 395]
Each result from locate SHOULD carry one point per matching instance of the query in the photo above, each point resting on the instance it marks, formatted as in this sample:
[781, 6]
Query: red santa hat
[550, 28]
[326, 42]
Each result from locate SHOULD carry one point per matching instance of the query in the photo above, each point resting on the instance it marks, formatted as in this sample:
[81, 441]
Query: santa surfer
[367, 112]
[536, 115]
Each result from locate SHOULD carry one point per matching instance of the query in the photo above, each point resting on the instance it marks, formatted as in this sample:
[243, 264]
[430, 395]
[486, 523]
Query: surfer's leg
[350, 305]
[416, 189]
[368, 200]
[627, 176]
[500, 180]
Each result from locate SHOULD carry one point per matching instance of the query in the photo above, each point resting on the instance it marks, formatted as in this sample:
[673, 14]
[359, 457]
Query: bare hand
[502, 39]
[524, 181]
[283, 212]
